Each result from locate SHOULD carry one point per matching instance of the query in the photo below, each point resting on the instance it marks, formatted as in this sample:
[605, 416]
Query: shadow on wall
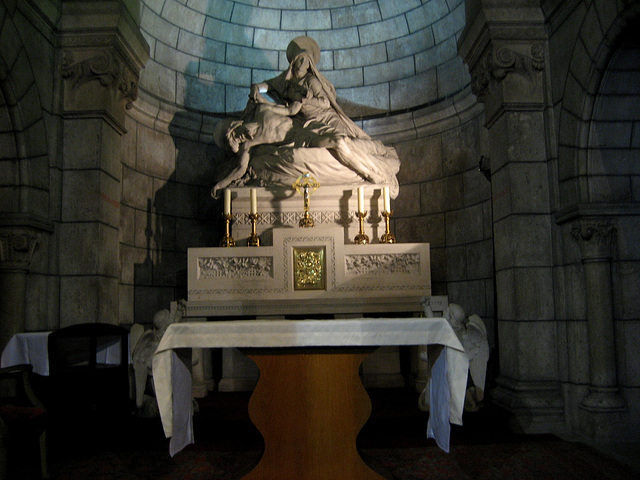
[180, 216]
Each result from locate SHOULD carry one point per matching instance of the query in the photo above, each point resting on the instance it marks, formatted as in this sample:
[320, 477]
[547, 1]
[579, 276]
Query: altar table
[302, 364]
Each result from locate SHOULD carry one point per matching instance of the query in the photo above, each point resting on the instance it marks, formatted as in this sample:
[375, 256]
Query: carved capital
[104, 68]
[501, 61]
[595, 238]
[17, 247]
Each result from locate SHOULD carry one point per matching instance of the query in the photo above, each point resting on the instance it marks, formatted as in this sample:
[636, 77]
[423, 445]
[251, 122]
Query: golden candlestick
[253, 240]
[306, 184]
[361, 238]
[387, 237]
[227, 239]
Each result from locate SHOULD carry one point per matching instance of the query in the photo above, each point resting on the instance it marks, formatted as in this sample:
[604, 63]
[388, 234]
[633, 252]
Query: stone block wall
[380, 56]
[445, 200]
[613, 177]
[166, 207]
[26, 110]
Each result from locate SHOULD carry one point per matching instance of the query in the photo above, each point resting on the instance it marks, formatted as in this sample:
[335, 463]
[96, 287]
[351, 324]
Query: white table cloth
[28, 348]
[33, 348]
[172, 377]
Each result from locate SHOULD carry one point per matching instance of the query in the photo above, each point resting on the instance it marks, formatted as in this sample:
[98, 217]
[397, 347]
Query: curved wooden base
[309, 407]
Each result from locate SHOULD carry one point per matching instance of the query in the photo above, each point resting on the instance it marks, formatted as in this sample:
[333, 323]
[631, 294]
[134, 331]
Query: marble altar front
[307, 271]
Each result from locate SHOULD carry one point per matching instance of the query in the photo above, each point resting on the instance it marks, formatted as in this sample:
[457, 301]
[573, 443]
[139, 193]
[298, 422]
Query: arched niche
[24, 176]
[24, 188]
[591, 162]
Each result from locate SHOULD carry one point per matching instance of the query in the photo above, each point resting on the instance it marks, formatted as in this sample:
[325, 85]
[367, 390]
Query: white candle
[360, 199]
[227, 202]
[387, 200]
[254, 200]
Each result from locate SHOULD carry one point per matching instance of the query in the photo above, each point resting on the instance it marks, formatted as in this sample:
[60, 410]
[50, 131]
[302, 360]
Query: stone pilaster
[17, 247]
[596, 238]
[100, 55]
[504, 45]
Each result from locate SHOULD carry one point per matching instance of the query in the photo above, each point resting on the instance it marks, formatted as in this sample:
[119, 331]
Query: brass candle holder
[227, 239]
[361, 238]
[253, 240]
[387, 237]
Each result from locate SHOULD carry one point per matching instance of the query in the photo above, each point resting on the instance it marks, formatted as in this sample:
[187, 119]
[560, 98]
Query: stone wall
[380, 55]
[64, 91]
[445, 200]
[167, 173]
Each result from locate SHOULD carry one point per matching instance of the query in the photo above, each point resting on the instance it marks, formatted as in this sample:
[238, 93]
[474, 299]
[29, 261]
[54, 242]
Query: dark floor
[222, 424]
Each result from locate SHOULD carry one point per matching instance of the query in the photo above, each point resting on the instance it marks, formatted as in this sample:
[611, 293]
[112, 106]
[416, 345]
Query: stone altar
[308, 272]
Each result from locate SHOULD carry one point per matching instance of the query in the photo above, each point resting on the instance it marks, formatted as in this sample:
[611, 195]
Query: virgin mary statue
[303, 130]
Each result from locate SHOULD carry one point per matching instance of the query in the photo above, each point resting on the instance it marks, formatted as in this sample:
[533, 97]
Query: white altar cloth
[28, 348]
[33, 348]
[172, 378]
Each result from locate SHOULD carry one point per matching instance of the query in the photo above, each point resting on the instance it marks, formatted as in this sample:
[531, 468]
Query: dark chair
[23, 420]
[89, 375]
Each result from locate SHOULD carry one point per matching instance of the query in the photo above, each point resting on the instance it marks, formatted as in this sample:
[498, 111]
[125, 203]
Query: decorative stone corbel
[17, 248]
[101, 53]
[103, 67]
[501, 61]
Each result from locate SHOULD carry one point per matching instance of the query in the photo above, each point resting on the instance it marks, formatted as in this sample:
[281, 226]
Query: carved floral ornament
[235, 267]
[502, 61]
[103, 67]
[595, 239]
[382, 264]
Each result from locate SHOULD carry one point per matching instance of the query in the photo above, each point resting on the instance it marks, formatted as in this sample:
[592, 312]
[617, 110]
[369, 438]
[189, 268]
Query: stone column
[595, 239]
[17, 246]
[504, 45]
[101, 53]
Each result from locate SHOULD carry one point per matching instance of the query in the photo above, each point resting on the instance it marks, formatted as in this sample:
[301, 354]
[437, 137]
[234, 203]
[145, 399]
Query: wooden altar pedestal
[309, 405]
